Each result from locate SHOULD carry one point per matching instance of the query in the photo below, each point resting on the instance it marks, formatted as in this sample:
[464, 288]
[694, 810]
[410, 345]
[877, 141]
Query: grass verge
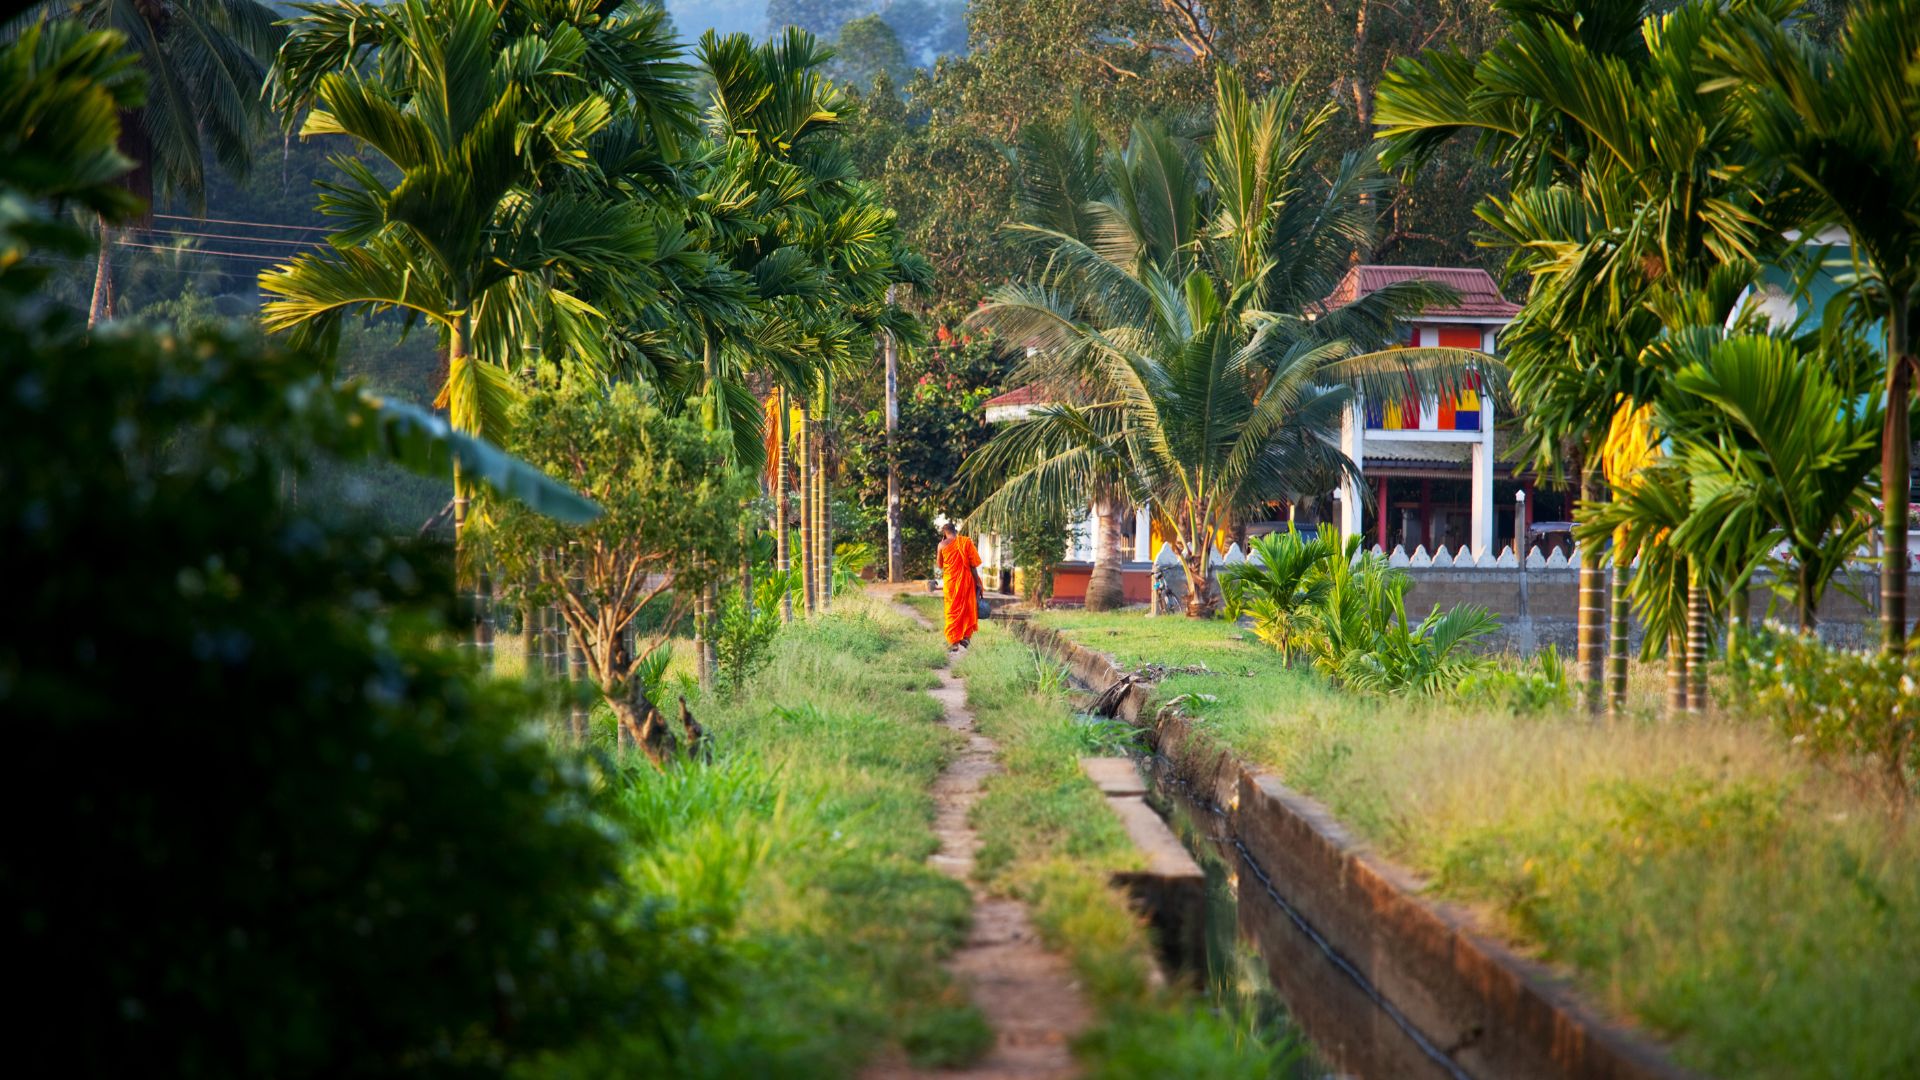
[1697, 875]
[1048, 838]
[803, 848]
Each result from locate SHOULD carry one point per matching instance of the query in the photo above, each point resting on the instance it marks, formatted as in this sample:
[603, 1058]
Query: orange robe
[958, 557]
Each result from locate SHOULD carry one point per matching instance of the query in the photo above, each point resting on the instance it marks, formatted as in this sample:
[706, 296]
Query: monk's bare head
[948, 530]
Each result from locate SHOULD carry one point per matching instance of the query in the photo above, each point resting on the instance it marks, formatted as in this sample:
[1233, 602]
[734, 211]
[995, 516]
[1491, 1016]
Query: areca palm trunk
[1591, 627]
[1738, 611]
[102, 307]
[1809, 611]
[554, 655]
[477, 586]
[1699, 629]
[1106, 589]
[782, 554]
[805, 493]
[532, 637]
[1617, 644]
[1895, 443]
[823, 534]
[703, 630]
[579, 717]
[1676, 671]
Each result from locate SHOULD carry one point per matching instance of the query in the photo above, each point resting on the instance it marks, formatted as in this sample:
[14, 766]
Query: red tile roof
[1030, 394]
[1479, 295]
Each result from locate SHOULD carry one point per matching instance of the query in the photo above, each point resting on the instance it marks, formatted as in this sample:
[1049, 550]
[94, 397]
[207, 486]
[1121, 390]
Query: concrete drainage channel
[1383, 981]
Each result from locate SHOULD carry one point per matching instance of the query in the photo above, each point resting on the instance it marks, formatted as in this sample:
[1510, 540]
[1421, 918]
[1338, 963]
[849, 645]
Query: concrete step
[1172, 889]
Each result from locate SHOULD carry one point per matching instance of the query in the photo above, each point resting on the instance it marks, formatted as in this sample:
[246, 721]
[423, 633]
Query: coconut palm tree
[205, 62]
[1180, 320]
[1843, 120]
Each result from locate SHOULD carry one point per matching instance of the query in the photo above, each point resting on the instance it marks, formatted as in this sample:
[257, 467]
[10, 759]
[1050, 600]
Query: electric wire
[233, 236]
[201, 251]
[232, 221]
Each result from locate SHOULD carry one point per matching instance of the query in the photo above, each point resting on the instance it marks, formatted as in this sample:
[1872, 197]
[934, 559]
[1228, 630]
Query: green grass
[1049, 839]
[1697, 875]
[803, 847]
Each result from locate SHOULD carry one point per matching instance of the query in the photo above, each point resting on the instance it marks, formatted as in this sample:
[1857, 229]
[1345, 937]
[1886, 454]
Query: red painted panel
[1460, 337]
[1070, 583]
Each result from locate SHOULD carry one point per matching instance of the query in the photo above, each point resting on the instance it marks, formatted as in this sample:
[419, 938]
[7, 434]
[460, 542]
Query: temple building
[1432, 468]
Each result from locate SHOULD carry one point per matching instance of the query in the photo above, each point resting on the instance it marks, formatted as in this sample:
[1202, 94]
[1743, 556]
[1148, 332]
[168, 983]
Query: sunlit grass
[1049, 838]
[1698, 875]
[803, 846]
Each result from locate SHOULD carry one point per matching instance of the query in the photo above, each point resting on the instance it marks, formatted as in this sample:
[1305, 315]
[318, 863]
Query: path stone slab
[1113, 775]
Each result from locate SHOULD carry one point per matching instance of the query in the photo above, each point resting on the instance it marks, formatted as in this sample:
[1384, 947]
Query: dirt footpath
[1027, 994]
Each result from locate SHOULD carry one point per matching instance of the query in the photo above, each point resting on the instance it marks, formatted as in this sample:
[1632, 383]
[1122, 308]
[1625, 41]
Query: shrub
[1859, 709]
[1427, 658]
[850, 562]
[1035, 541]
[748, 626]
[267, 824]
[1284, 575]
[270, 827]
[671, 524]
[1346, 610]
[1539, 686]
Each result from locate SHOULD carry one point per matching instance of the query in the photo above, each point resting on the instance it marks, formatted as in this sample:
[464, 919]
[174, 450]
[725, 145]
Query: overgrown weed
[802, 846]
[1697, 874]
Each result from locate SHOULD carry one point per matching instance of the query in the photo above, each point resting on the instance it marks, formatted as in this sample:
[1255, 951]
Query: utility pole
[892, 350]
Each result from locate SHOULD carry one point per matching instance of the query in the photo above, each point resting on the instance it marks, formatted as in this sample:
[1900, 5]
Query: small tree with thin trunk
[673, 510]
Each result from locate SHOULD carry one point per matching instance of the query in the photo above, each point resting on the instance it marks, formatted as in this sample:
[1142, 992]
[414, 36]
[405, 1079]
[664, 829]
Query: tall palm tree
[1061, 175]
[778, 204]
[1844, 122]
[479, 236]
[783, 206]
[205, 62]
[1180, 318]
[1634, 198]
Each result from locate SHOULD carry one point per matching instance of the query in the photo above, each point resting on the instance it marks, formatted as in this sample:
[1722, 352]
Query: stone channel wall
[1384, 981]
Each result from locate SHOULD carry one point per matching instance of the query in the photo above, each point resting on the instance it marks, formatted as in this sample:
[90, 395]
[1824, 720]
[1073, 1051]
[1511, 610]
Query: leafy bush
[1860, 709]
[746, 631]
[671, 521]
[1035, 540]
[1346, 610]
[1360, 594]
[1539, 686]
[271, 826]
[850, 561]
[1426, 658]
[1285, 574]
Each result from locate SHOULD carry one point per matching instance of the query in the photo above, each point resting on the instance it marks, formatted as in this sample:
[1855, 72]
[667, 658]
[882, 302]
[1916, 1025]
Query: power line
[200, 251]
[232, 236]
[252, 224]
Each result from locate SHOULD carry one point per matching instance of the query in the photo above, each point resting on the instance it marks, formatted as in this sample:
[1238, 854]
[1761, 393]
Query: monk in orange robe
[958, 558]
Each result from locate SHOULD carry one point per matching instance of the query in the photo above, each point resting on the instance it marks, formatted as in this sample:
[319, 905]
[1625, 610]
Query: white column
[1353, 438]
[1080, 549]
[1482, 465]
[1142, 535]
